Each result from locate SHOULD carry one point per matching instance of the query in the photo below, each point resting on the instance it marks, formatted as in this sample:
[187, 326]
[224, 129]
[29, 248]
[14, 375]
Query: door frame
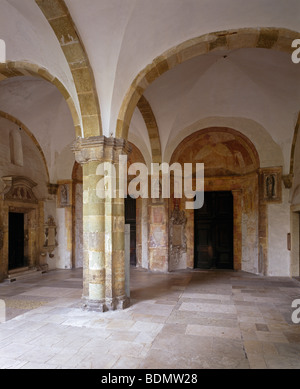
[195, 246]
[225, 185]
[34, 232]
[133, 231]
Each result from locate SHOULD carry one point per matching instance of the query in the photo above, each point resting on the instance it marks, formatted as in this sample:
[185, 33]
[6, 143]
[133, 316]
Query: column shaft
[103, 226]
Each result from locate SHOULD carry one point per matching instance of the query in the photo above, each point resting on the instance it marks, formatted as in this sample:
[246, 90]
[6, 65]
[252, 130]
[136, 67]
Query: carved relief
[270, 185]
[19, 189]
[64, 195]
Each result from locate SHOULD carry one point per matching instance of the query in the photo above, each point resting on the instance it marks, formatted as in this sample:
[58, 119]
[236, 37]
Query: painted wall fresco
[224, 152]
[231, 164]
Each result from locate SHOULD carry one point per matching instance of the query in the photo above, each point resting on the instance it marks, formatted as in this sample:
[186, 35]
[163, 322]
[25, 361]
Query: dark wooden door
[130, 218]
[16, 241]
[214, 232]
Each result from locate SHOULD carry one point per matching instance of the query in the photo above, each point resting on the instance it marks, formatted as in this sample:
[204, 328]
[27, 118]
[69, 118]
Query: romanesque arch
[18, 68]
[267, 38]
[231, 164]
[61, 22]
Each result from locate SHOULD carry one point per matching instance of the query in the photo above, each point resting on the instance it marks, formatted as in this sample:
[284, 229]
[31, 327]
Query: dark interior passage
[214, 232]
[130, 218]
[16, 241]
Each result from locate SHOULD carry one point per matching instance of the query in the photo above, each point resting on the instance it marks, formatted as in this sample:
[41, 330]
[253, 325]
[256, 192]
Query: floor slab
[187, 320]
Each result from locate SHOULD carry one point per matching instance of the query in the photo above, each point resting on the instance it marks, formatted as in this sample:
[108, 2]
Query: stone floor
[186, 320]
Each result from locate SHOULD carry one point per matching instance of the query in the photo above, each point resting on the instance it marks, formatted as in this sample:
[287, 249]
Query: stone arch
[231, 164]
[266, 38]
[218, 145]
[31, 136]
[135, 155]
[251, 129]
[151, 124]
[21, 68]
[60, 20]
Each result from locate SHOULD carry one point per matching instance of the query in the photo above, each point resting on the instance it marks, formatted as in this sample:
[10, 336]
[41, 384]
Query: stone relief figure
[270, 186]
[64, 195]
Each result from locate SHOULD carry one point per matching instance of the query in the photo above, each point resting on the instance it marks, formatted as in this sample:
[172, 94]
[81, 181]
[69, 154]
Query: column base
[108, 304]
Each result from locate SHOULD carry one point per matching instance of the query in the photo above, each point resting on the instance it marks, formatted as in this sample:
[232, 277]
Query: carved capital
[288, 180]
[99, 148]
[52, 189]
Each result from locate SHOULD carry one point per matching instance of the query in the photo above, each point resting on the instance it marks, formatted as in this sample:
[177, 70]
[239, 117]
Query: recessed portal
[16, 241]
[214, 232]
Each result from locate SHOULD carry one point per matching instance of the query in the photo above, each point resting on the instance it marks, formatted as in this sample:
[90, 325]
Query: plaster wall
[41, 107]
[278, 228]
[29, 36]
[33, 164]
[63, 258]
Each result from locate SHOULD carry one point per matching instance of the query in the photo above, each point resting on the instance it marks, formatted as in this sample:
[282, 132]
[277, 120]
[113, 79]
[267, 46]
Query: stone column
[103, 226]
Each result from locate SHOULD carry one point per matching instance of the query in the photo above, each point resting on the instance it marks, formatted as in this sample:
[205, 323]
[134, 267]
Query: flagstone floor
[186, 320]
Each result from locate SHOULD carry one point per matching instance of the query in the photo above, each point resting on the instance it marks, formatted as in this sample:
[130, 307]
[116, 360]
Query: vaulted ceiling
[97, 49]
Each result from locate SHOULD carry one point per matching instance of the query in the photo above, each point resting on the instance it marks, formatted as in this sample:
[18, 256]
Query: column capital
[99, 148]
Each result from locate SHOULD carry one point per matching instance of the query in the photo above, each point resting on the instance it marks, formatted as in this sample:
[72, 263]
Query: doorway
[130, 218]
[213, 225]
[16, 248]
